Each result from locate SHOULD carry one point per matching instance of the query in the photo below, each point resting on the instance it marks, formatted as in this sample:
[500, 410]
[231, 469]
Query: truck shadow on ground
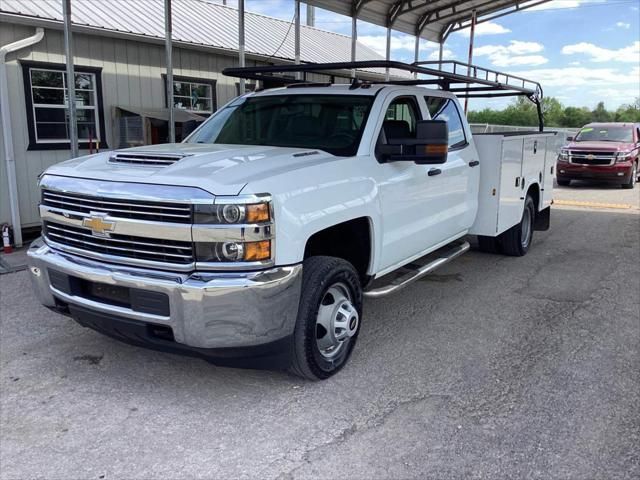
[561, 266]
[494, 360]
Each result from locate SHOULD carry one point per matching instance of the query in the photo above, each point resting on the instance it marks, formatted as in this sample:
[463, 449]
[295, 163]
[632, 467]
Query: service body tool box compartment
[551, 155]
[509, 162]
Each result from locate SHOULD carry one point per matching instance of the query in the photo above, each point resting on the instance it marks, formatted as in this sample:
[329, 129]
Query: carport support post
[297, 37]
[388, 53]
[168, 46]
[471, 35]
[241, 41]
[71, 80]
[354, 39]
[416, 53]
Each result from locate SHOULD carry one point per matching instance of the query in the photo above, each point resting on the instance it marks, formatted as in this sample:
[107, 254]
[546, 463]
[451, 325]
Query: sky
[581, 51]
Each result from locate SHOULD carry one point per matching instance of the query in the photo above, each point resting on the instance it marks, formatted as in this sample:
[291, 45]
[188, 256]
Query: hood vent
[150, 159]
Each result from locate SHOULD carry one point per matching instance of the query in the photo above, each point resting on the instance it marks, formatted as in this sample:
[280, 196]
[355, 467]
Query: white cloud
[616, 96]
[557, 4]
[487, 28]
[379, 43]
[401, 43]
[524, 60]
[516, 53]
[581, 76]
[446, 55]
[624, 25]
[582, 86]
[629, 54]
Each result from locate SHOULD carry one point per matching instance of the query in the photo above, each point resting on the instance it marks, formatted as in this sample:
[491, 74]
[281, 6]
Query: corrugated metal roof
[433, 19]
[197, 22]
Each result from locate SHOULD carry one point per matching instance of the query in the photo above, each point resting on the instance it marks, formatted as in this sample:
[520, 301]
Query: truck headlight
[232, 214]
[564, 155]
[623, 156]
[233, 251]
[233, 230]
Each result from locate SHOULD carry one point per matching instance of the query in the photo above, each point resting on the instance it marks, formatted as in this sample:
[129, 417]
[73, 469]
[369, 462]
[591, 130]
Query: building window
[194, 95]
[46, 90]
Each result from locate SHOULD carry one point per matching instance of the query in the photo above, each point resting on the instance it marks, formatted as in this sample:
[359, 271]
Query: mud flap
[543, 220]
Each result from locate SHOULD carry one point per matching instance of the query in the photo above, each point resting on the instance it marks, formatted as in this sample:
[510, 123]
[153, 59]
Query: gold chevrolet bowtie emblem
[98, 224]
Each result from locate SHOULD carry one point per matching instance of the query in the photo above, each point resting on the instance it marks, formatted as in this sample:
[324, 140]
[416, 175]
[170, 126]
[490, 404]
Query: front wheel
[329, 317]
[634, 177]
[563, 183]
[517, 240]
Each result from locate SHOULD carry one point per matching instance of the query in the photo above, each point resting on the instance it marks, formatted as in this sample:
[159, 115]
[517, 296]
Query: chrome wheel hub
[337, 320]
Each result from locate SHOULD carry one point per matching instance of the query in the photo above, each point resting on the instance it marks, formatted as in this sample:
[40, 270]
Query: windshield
[605, 134]
[333, 123]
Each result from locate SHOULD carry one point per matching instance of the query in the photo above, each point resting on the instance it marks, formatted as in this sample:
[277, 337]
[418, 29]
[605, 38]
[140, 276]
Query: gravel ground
[494, 367]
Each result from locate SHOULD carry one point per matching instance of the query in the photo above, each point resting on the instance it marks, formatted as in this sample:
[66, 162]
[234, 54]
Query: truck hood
[218, 169]
[601, 146]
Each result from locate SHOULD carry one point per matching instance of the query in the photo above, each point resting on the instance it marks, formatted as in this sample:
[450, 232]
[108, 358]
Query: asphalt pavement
[494, 367]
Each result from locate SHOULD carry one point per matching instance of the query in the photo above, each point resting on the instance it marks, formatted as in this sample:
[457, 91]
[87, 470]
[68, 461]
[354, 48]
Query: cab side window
[401, 118]
[441, 108]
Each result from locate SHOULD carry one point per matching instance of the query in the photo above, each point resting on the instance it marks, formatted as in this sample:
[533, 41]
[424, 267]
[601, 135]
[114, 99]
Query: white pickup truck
[254, 241]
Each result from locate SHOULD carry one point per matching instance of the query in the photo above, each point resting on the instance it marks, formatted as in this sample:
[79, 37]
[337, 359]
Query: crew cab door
[420, 211]
[461, 173]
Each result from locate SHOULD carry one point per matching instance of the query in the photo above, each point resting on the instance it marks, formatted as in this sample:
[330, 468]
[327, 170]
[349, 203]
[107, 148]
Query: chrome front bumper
[206, 310]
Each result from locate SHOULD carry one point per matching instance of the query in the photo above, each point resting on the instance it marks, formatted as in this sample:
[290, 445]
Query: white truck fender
[311, 200]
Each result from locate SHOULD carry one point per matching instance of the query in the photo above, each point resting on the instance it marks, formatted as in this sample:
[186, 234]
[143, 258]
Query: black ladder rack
[465, 80]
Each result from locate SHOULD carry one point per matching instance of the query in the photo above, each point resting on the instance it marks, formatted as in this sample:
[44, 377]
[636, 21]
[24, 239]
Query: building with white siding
[120, 82]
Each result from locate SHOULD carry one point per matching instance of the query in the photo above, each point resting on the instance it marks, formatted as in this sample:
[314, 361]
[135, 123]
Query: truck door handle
[474, 163]
[434, 171]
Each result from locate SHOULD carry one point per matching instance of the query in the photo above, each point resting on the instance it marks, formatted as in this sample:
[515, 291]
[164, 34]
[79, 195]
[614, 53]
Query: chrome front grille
[133, 209]
[592, 158]
[141, 248]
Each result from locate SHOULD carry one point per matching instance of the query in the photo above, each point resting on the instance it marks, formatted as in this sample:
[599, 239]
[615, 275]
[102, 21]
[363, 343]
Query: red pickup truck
[605, 152]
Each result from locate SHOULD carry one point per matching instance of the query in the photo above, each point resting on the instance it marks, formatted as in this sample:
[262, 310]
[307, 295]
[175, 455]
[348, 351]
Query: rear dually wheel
[516, 241]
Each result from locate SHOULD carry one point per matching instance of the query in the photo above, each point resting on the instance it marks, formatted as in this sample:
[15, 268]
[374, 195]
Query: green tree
[522, 112]
[574, 117]
[628, 113]
[553, 112]
[601, 114]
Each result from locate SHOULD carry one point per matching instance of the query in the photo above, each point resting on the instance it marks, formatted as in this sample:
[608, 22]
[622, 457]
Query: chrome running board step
[417, 269]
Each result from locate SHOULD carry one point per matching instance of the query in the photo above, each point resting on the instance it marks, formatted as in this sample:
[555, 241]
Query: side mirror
[430, 146]
[570, 139]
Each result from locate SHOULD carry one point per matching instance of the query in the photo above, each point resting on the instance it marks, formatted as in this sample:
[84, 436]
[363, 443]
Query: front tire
[632, 180]
[563, 183]
[516, 241]
[329, 317]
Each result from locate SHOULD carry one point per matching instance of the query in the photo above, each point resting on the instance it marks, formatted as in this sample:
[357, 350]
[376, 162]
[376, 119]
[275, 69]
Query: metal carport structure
[432, 20]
